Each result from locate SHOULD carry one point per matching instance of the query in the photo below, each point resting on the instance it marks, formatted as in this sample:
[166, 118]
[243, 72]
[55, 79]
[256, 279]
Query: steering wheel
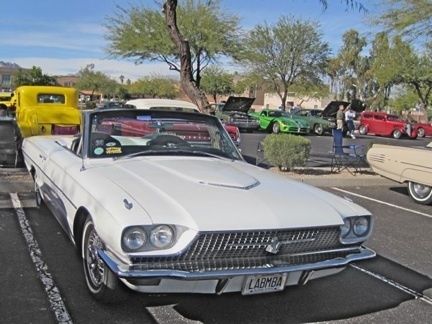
[168, 141]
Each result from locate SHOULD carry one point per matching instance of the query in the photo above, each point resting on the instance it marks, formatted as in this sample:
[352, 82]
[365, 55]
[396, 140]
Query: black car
[234, 111]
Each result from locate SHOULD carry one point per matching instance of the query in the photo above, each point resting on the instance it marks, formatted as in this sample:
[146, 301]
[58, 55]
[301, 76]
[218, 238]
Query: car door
[62, 169]
[264, 119]
[378, 125]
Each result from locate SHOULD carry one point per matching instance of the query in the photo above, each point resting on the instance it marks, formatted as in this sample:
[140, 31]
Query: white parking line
[54, 296]
[168, 315]
[409, 291]
[382, 202]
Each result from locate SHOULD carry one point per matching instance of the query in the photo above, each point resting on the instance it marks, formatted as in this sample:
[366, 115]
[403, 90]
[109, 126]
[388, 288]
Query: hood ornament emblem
[274, 246]
[127, 204]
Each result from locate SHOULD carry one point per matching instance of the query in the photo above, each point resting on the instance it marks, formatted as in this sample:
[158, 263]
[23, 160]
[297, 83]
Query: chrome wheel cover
[93, 263]
[275, 128]
[421, 191]
[397, 133]
[420, 132]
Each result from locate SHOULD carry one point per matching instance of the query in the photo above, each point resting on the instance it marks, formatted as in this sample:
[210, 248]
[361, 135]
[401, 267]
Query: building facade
[7, 72]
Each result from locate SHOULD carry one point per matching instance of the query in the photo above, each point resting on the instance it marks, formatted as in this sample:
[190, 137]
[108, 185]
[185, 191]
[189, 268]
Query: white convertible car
[163, 202]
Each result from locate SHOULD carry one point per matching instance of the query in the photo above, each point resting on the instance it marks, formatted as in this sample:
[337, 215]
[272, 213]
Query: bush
[286, 151]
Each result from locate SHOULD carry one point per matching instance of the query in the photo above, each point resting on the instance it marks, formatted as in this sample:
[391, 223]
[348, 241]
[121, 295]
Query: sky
[63, 36]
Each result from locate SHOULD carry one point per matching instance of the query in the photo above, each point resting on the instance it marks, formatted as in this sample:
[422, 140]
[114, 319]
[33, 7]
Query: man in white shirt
[350, 115]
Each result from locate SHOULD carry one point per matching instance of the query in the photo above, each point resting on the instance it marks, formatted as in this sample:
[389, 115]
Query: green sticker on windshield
[98, 151]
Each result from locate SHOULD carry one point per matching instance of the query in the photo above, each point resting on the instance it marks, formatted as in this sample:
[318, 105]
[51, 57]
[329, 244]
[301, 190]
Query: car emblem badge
[127, 204]
[274, 246]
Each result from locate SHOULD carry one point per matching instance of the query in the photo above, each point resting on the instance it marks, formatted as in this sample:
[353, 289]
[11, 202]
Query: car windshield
[128, 133]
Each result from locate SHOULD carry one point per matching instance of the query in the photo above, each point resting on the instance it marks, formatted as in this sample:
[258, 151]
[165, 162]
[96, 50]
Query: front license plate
[264, 284]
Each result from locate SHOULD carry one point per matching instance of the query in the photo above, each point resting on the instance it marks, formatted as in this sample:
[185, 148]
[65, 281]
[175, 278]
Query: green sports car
[317, 125]
[277, 121]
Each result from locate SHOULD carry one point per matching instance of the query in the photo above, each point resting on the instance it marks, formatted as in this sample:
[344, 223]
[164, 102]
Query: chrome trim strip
[126, 271]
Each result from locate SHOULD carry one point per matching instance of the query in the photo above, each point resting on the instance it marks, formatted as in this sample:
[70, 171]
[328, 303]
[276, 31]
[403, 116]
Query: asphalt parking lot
[42, 280]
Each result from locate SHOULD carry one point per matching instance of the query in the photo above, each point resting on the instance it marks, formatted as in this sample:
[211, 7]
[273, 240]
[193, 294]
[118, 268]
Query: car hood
[242, 104]
[333, 106]
[208, 194]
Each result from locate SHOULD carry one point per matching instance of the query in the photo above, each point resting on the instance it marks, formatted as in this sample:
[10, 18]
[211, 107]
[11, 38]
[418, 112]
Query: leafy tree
[204, 33]
[409, 17]
[305, 90]
[33, 77]
[418, 75]
[154, 87]
[404, 100]
[217, 82]
[289, 50]
[352, 64]
[95, 81]
[388, 57]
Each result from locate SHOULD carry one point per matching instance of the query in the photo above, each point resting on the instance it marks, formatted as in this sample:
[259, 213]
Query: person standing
[349, 119]
[340, 117]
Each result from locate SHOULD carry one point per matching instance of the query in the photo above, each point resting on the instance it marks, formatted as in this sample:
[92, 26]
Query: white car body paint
[202, 194]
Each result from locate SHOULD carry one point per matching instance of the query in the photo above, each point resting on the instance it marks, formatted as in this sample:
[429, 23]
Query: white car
[163, 104]
[163, 202]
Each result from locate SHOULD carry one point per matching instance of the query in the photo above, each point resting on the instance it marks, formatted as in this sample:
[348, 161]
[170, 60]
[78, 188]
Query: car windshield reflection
[133, 133]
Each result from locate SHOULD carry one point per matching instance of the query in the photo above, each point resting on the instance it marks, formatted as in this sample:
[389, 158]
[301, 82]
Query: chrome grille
[247, 250]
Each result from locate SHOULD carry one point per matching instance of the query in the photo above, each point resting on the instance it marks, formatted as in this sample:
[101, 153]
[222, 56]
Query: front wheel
[420, 132]
[318, 129]
[276, 128]
[397, 134]
[421, 194]
[100, 280]
[363, 130]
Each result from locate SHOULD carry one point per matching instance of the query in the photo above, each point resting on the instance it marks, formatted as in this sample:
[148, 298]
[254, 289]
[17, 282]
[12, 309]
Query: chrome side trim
[125, 271]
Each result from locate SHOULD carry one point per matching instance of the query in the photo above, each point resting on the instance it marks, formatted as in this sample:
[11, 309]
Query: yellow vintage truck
[47, 110]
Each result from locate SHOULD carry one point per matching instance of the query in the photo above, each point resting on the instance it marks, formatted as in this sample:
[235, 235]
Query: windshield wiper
[171, 151]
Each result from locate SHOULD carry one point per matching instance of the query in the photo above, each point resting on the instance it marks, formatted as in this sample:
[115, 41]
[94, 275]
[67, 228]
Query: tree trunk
[186, 74]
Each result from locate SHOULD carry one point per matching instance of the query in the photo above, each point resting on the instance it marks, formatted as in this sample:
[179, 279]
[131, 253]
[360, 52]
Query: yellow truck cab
[47, 110]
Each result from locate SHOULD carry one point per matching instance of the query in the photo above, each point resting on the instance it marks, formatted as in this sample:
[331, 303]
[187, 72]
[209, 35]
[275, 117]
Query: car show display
[383, 124]
[163, 202]
[235, 111]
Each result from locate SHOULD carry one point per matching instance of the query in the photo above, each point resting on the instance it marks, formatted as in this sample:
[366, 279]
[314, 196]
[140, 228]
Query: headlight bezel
[133, 230]
[148, 229]
[347, 233]
[153, 237]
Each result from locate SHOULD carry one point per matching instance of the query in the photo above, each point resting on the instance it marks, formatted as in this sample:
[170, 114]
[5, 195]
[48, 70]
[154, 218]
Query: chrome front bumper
[130, 271]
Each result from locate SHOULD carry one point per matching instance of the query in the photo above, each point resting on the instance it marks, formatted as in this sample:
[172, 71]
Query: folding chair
[349, 157]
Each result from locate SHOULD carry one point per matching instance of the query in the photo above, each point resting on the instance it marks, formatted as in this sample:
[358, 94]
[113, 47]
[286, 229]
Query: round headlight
[346, 227]
[361, 226]
[134, 238]
[161, 236]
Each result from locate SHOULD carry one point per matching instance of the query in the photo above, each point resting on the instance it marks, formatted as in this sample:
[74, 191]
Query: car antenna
[82, 164]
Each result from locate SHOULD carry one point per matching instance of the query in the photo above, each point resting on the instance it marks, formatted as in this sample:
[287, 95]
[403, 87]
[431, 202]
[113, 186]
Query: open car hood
[331, 109]
[241, 104]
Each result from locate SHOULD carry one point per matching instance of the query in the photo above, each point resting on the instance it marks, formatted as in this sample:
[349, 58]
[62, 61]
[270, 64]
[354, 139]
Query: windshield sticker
[110, 144]
[113, 150]
[144, 117]
[99, 142]
[98, 151]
